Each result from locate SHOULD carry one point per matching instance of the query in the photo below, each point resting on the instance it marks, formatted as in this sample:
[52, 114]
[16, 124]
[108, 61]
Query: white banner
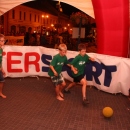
[108, 73]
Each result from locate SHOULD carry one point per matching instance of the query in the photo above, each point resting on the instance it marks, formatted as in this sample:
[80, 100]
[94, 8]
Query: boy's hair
[62, 47]
[81, 46]
[2, 36]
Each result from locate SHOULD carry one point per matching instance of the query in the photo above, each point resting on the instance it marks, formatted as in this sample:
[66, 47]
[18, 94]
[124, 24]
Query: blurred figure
[32, 40]
[27, 37]
[2, 72]
[38, 39]
[43, 40]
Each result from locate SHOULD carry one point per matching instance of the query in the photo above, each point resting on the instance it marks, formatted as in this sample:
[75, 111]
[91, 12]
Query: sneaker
[85, 102]
[67, 91]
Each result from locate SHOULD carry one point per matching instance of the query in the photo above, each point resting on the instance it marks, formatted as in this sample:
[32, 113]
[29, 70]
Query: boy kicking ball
[78, 66]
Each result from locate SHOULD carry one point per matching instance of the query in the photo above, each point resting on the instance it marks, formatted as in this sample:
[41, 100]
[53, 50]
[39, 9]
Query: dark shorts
[78, 78]
[57, 79]
[1, 77]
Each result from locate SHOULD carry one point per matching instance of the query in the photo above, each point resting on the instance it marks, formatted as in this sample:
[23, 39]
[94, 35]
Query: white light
[47, 33]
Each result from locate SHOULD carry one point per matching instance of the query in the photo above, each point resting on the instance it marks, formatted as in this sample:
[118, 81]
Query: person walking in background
[43, 40]
[55, 71]
[78, 67]
[2, 73]
[37, 39]
[27, 37]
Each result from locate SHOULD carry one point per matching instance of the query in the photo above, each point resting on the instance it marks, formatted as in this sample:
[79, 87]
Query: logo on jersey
[81, 62]
[60, 63]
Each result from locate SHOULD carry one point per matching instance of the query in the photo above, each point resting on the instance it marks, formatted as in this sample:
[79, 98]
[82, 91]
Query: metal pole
[79, 32]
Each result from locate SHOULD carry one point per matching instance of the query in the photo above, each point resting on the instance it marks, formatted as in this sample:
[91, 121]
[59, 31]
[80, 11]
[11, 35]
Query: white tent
[6, 5]
[84, 5]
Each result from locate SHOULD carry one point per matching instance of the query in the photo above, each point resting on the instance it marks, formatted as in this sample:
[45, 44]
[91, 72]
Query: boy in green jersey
[78, 67]
[55, 71]
[2, 73]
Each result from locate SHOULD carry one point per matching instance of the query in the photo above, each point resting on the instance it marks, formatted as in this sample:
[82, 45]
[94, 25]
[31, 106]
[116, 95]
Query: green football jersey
[57, 62]
[80, 62]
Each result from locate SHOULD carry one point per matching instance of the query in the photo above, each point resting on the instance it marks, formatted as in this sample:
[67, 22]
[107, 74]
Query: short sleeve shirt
[80, 62]
[57, 62]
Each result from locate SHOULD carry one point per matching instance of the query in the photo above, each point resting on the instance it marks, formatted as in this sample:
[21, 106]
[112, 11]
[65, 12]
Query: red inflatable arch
[112, 19]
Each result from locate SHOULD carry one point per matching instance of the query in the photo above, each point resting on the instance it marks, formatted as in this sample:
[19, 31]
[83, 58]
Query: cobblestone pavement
[31, 105]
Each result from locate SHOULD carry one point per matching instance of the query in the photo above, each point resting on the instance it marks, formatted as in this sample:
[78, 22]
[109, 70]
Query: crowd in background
[54, 39]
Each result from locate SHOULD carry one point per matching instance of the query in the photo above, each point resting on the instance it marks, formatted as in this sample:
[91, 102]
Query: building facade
[21, 18]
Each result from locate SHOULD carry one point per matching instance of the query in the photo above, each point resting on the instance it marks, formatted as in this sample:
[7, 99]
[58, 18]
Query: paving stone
[31, 105]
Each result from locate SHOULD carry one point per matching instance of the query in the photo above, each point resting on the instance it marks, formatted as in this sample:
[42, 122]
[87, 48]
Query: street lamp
[52, 26]
[43, 27]
[68, 28]
[44, 17]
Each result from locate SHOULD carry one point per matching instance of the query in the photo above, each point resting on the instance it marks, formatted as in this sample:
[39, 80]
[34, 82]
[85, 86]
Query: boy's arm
[69, 65]
[73, 68]
[3, 71]
[52, 64]
[75, 71]
[53, 70]
[92, 59]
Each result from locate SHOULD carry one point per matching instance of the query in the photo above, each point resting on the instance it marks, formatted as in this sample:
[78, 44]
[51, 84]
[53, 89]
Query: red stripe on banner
[112, 19]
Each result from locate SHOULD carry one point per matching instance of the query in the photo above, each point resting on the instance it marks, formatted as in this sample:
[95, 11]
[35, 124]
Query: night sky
[67, 9]
[39, 4]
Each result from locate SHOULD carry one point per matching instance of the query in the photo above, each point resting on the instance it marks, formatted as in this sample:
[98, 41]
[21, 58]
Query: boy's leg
[84, 85]
[61, 88]
[1, 88]
[58, 90]
[69, 86]
[55, 80]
